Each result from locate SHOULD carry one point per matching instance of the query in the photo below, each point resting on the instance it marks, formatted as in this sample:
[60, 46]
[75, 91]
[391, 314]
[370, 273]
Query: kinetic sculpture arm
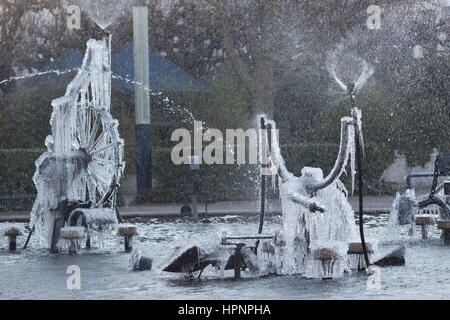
[341, 160]
[304, 201]
[286, 176]
[275, 155]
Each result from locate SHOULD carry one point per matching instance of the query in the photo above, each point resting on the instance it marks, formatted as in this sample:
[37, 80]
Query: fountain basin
[34, 273]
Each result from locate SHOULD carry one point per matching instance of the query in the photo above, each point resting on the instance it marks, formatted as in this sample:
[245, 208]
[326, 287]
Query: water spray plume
[103, 12]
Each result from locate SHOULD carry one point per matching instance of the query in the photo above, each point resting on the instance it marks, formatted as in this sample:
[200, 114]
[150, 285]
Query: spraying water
[345, 68]
[37, 74]
[103, 12]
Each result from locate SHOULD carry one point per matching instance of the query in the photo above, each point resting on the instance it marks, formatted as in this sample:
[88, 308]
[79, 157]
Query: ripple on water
[37, 274]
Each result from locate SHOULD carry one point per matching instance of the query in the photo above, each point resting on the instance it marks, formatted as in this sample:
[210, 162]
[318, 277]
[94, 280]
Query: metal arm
[341, 159]
[307, 203]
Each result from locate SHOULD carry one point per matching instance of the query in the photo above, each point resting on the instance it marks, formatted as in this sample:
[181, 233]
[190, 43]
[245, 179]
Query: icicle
[352, 152]
[358, 115]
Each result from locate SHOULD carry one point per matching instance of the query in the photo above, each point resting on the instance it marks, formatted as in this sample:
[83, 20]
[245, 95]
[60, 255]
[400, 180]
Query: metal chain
[435, 177]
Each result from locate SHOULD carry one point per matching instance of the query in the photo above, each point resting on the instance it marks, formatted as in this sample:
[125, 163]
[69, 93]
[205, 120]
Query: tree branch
[240, 69]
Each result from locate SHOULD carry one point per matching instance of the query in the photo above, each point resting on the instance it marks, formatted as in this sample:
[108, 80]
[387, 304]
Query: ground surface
[372, 205]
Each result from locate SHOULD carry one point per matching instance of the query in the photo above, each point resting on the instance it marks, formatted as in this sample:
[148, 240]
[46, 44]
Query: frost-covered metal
[317, 217]
[316, 212]
[84, 159]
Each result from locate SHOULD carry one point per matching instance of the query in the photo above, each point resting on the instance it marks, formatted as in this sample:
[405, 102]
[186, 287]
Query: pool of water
[105, 272]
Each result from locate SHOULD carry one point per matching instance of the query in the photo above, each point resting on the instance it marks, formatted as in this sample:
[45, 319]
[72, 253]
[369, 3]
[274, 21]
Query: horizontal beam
[250, 237]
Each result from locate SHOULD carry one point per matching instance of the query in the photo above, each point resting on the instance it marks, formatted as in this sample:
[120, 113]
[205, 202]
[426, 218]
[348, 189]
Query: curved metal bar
[417, 175]
[341, 159]
[438, 201]
[275, 151]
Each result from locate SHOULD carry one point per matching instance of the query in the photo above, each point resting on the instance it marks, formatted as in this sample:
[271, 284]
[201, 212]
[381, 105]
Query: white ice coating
[393, 226]
[97, 219]
[317, 225]
[4, 227]
[409, 201]
[305, 229]
[84, 156]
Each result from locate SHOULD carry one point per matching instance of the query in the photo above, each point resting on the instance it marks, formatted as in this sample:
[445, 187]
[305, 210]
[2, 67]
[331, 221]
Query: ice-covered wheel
[84, 132]
[83, 163]
[96, 138]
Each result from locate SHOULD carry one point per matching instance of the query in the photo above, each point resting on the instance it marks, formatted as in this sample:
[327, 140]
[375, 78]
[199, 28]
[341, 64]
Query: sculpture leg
[12, 242]
[128, 244]
[57, 225]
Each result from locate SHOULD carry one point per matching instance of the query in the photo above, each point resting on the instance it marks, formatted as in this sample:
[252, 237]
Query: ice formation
[84, 159]
[316, 213]
[407, 207]
[317, 228]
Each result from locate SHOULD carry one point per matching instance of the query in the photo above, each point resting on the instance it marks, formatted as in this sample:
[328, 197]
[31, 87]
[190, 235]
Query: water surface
[105, 272]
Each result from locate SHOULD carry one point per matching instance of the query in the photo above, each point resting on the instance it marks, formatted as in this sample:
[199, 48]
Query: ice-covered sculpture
[407, 209]
[77, 177]
[318, 236]
[316, 212]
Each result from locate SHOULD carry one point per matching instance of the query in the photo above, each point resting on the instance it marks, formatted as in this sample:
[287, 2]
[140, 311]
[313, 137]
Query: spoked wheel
[431, 209]
[96, 136]
[90, 147]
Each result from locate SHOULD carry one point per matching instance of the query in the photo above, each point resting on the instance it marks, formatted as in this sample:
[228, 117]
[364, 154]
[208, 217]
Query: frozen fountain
[425, 210]
[78, 176]
[317, 238]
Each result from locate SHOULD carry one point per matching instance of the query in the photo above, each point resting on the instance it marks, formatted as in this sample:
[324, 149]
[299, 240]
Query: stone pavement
[372, 205]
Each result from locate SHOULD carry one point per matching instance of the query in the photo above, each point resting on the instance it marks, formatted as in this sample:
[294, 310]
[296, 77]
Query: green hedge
[16, 178]
[222, 182]
[172, 183]
[16, 171]
[233, 182]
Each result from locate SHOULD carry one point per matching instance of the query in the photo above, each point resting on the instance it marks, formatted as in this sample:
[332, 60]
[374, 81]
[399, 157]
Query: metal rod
[417, 175]
[28, 238]
[119, 218]
[263, 203]
[206, 204]
[361, 204]
[263, 183]
[351, 87]
[194, 202]
[253, 237]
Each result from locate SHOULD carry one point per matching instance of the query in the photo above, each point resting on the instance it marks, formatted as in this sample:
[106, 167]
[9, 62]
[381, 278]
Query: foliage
[25, 116]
